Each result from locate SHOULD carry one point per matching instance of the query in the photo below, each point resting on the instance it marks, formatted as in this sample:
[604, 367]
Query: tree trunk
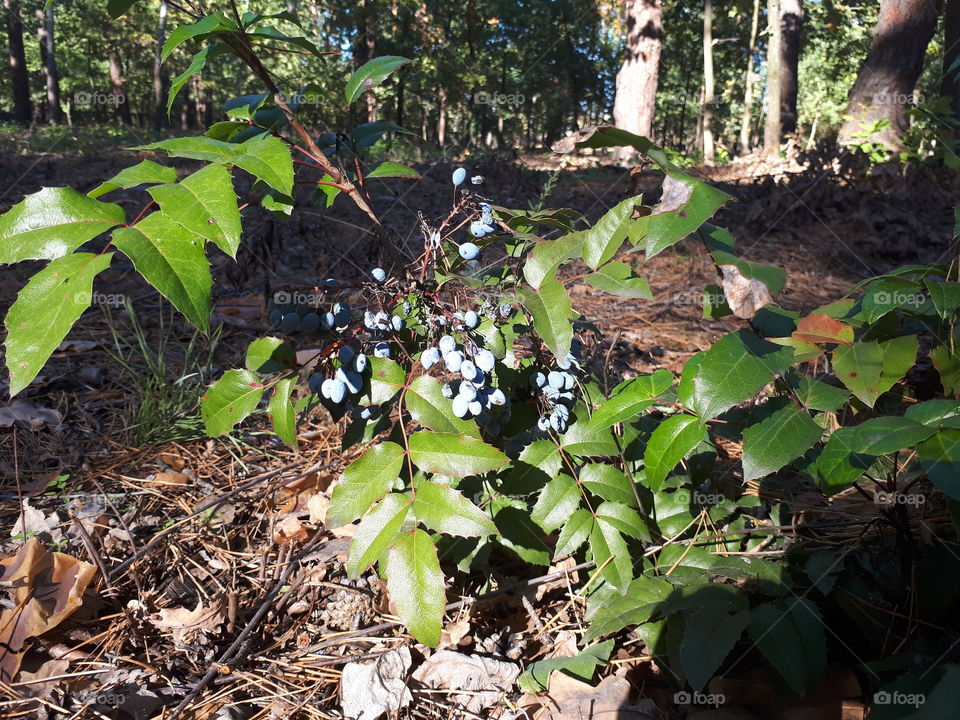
[119, 94]
[19, 80]
[791, 23]
[160, 81]
[48, 57]
[887, 77]
[442, 117]
[636, 90]
[771, 134]
[745, 121]
[950, 85]
[367, 50]
[707, 111]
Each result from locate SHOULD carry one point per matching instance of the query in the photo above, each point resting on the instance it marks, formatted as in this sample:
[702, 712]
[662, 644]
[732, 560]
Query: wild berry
[429, 357]
[459, 175]
[381, 350]
[469, 251]
[378, 274]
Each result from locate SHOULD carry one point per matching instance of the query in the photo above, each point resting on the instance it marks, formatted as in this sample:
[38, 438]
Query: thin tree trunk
[160, 80]
[745, 122]
[887, 77]
[442, 117]
[636, 90]
[771, 134]
[48, 57]
[709, 152]
[119, 93]
[369, 43]
[791, 23]
[950, 85]
[19, 79]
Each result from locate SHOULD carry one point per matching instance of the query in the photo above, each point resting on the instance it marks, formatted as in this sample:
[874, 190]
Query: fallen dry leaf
[27, 415]
[454, 632]
[32, 685]
[45, 588]
[289, 530]
[368, 691]
[168, 478]
[185, 624]
[569, 699]
[484, 678]
[745, 296]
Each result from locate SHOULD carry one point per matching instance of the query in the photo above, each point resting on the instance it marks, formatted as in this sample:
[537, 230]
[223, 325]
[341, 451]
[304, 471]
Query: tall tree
[746, 129]
[160, 79]
[119, 86]
[771, 133]
[791, 24]
[48, 58]
[950, 84]
[636, 87]
[887, 77]
[19, 80]
[707, 106]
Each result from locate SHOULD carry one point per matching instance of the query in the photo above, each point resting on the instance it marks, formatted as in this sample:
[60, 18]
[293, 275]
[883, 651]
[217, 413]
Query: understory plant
[475, 398]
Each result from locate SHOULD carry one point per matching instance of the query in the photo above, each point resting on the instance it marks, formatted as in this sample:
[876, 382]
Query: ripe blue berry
[543, 424]
[447, 344]
[329, 320]
[497, 397]
[538, 380]
[475, 407]
[477, 229]
[429, 357]
[351, 379]
[290, 322]
[382, 321]
[276, 317]
[470, 319]
[447, 390]
[378, 274]
[484, 360]
[468, 370]
[468, 390]
[337, 391]
[381, 350]
[360, 363]
[453, 360]
[315, 383]
[346, 354]
[555, 379]
[459, 175]
[460, 406]
[369, 320]
[469, 251]
[397, 323]
[310, 323]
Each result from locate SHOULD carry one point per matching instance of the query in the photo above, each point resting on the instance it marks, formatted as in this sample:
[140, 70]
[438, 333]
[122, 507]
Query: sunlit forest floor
[212, 523]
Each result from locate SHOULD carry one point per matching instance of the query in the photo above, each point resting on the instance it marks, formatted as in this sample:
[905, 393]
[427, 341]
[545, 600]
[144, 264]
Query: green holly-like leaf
[708, 635]
[558, 499]
[389, 169]
[377, 531]
[790, 635]
[146, 172]
[214, 22]
[372, 74]
[547, 256]
[269, 355]
[454, 455]
[601, 242]
[45, 310]
[550, 308]
[644, 596]
[778, 434]
[937, 413]
[816, 394]
[883, 435]
[366, 480]
[672, 441]
[940, 456]
[584, 439]
[733, 370]
[575, 532]
[265, 157]
[426, 404]
[206, 204]
[631, 397]
[611, 553]
[838, 465]
[53, 222]
[445, 510]
[608, 482]
[172, 259]
[281, 413]
[387, 378]
[623, 517]
[537, 675]
[415, 584]
[617, 278]
[229, 400]
[869, 368]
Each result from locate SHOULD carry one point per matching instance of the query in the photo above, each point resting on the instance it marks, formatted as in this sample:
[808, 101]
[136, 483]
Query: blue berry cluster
[556, 392]
[304, 319]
